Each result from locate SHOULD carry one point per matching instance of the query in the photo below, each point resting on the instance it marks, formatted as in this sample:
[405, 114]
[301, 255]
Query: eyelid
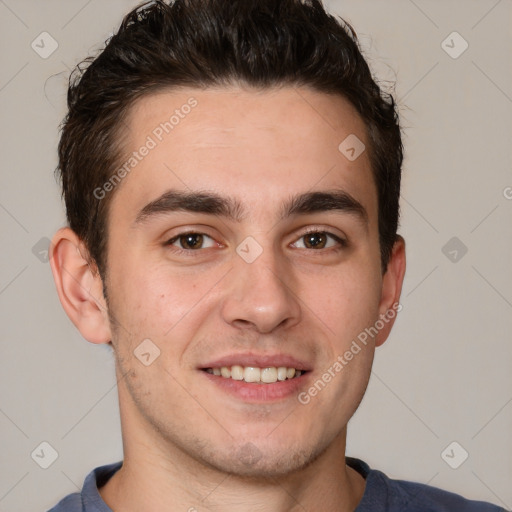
[175, 238]
[320, 229]
[340, 239]
[189, 229]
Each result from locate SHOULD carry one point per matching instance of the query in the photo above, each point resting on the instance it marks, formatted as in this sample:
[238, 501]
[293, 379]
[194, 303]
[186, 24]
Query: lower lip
[254, 392]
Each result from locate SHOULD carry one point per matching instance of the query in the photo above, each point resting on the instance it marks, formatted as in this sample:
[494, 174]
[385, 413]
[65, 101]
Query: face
[244, 242]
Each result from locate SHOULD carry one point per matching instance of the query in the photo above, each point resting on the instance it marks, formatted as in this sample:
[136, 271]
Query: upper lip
[258, 360]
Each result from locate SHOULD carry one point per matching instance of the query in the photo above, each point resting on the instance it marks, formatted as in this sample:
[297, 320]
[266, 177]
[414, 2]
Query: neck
[157, 475]
[150, 482]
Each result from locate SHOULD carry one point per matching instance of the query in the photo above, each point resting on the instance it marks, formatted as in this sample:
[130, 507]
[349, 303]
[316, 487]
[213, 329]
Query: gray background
[444, 374]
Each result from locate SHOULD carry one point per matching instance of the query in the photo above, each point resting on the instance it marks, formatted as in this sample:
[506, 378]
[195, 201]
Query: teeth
[225, 372]
[253, 374]
[268, 375]
[237, 372]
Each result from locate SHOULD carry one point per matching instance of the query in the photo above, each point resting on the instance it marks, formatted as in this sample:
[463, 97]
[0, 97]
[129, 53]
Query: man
[231, 174]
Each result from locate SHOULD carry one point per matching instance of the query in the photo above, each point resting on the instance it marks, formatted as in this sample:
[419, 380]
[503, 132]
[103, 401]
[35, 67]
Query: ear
[391, 289]
[79, 286]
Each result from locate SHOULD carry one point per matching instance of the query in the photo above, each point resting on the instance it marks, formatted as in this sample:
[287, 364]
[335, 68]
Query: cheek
[155, 298]
[345, 299]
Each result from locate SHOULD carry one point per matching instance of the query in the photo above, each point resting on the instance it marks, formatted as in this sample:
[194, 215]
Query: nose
[260, 295]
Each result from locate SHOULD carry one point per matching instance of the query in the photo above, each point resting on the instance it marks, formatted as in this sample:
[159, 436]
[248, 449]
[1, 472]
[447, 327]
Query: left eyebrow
[314, 202]
[212, 203]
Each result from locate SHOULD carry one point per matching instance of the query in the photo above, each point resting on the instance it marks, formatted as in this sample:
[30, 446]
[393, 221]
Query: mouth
[257, 378]
[254, 374]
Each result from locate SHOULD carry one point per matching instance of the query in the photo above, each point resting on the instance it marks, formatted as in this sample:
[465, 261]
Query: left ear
[391, 289]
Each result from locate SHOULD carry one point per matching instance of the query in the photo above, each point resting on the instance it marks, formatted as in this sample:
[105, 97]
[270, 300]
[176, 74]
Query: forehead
[256, 145]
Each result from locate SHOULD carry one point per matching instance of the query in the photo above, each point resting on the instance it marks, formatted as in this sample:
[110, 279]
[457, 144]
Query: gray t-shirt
[381, 494]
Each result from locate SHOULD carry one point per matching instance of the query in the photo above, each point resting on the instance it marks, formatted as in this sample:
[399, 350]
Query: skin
[186, 441]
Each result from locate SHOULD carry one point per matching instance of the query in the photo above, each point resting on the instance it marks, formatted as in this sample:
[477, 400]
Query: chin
[260, 460]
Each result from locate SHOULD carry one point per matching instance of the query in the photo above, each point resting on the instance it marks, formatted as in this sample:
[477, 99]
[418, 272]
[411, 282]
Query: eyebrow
[213, 204]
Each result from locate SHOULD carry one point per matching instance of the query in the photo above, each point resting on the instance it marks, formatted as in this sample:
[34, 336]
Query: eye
[318, 240]
[192, 241]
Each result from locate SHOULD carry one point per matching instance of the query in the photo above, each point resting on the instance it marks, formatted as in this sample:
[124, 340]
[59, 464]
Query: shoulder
[416, 497]
[383, 494]
[89, 499]
[71, 503]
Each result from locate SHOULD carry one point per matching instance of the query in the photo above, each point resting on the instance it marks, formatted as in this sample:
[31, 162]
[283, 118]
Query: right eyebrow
[198, 202]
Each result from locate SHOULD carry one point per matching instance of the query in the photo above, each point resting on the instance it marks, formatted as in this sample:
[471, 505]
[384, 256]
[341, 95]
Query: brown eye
[319, 240]
[315, 240]
[192, 241]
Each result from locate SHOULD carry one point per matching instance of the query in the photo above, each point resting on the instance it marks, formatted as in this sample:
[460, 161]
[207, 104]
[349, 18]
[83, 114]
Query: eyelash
[342, 243]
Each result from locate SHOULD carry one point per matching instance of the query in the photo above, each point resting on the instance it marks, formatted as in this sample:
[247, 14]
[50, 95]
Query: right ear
[79, 286]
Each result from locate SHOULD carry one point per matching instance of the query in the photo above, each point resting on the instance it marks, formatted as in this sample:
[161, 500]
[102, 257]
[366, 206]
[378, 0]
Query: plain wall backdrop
[444, 374]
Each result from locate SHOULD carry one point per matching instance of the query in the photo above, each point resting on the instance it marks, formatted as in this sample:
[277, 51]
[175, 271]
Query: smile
[252, 374]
